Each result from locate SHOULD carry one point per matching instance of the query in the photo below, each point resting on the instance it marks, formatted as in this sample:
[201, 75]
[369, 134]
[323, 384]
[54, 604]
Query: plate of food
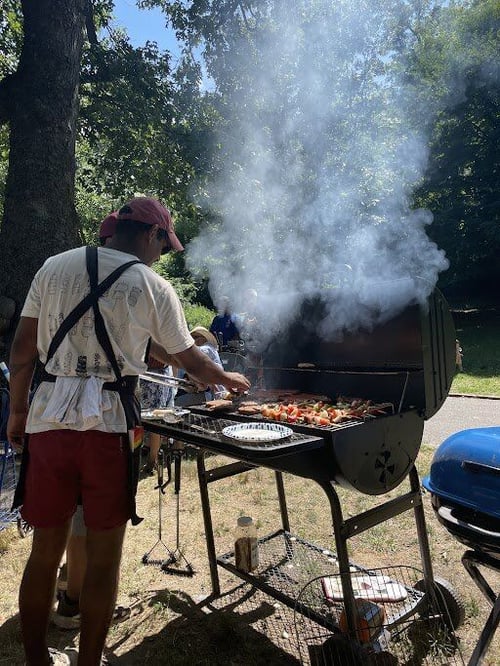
[174, 415]
[148, 414]
[257, 432]
[169, 415]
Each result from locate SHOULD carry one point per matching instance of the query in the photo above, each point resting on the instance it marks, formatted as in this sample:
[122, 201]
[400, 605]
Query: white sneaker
[68, 657]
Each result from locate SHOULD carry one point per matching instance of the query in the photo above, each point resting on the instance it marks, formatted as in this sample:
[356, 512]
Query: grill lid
[409, 359]
[466, 470]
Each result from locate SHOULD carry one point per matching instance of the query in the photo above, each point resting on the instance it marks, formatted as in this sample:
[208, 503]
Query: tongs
[237, 397]
[167, 381]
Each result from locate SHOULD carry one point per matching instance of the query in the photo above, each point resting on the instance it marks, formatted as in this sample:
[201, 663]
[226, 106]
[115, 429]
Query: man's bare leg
[76, 560]
[36, 593]
[98, 595]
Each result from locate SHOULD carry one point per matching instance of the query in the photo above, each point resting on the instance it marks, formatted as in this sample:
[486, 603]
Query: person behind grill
[83, 421]
[223, 325]
[207, 344]
[155, 396]
[250, 332]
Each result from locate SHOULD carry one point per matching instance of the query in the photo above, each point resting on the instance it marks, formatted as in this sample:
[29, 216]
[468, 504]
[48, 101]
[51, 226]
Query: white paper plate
[172, 415]
[257, 432]
[175, 415]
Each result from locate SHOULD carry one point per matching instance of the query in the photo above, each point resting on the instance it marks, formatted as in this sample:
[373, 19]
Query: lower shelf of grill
[413, 630]
[291, 570]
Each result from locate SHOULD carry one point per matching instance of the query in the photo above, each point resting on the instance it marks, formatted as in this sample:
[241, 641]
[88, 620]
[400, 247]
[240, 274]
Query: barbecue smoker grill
[408, 363]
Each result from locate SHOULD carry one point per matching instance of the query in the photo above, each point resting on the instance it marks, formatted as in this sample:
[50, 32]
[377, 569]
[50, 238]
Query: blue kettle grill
[464, 483]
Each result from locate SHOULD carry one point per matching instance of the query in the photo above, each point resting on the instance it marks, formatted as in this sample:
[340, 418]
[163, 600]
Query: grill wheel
[450, 603]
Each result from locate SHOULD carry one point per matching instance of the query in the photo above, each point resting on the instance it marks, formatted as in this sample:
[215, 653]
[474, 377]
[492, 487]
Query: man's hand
[236, 382]
[16, 427]
[204, 371]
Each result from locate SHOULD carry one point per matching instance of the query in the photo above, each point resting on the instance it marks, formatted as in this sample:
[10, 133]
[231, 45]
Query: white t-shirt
[138, 306]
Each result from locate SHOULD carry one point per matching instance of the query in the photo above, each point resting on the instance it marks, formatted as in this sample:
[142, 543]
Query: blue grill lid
[466, 470]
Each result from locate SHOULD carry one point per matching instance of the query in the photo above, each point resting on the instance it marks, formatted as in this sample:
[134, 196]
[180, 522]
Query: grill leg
[342, 556]
[285, 522]
[486, 635]
[423, 539]
[470, 560]
[207, 520]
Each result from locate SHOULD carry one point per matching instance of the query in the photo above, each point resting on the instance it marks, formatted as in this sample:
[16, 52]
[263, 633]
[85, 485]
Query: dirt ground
[177, 621]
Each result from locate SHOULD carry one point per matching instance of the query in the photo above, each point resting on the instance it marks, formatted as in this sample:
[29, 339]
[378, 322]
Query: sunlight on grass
[472, 384]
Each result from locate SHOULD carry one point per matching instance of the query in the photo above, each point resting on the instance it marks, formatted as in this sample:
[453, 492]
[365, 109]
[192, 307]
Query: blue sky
[143, 25]
[149, 24]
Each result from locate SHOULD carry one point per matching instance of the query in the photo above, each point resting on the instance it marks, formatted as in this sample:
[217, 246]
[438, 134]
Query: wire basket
[399, 620]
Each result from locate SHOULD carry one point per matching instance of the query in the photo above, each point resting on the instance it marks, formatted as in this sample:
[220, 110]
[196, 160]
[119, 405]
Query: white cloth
[77, 402]
[139, 306]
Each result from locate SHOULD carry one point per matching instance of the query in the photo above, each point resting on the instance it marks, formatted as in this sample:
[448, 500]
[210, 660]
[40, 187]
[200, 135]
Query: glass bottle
[246, 551]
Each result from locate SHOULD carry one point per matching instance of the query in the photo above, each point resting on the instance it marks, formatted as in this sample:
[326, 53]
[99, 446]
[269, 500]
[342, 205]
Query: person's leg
[106, 510]
[36, 593]
[49, 501]
[76, 555]
[98, 595]
[67, 614]
[154, 447]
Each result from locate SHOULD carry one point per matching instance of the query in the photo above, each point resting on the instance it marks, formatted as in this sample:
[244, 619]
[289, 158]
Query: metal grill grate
[205, 429]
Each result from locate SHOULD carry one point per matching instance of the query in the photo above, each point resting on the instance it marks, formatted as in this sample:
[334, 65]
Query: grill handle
[474, 466]
[447, 515]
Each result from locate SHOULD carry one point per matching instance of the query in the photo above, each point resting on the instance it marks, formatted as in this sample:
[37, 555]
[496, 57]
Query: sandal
[121, 613]
[149, 469]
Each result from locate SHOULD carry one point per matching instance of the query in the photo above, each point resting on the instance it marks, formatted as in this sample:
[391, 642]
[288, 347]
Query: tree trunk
[41, 107]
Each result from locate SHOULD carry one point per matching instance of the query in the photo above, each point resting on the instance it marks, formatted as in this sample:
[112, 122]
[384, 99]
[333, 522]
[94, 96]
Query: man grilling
[88, 317]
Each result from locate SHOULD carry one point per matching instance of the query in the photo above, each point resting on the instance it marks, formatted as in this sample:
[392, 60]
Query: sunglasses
[161, 235]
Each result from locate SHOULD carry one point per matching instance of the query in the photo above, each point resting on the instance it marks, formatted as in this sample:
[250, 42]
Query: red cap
[150, 211]
[108, 226]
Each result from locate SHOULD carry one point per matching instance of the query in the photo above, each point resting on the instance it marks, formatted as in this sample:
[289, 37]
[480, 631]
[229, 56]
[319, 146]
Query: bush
[198, 315]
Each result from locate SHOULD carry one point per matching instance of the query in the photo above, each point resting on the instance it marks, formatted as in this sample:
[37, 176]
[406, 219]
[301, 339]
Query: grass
[174, 622]
[479, 335]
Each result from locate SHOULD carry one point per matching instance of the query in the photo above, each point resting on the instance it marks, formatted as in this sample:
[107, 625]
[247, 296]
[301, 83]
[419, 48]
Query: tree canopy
[281, 122]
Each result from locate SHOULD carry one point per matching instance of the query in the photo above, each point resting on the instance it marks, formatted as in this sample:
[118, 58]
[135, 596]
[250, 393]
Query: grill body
[464, 481]
[408, 361]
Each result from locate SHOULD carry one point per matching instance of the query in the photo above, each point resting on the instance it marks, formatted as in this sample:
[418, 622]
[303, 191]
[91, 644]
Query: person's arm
[205, 371]
[23, 357]
[161, 354]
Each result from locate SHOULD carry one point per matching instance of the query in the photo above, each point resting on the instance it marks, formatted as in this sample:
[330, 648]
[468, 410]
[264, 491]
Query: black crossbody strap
[100, 326]
[78, 311]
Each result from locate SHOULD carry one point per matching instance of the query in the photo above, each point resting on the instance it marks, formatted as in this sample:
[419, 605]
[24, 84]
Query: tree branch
[90, 24]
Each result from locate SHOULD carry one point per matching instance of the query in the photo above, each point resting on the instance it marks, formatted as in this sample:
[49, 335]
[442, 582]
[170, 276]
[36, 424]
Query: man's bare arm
[161, 354]
[201, 368]
[23, 357]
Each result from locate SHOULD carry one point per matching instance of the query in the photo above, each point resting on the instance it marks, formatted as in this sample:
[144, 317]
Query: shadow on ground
[238, 628]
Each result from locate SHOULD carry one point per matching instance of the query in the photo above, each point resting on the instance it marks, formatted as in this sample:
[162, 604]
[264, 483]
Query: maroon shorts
[67, 467]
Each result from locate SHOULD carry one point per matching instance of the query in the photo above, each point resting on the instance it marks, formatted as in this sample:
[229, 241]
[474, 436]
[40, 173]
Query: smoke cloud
[321, 157]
